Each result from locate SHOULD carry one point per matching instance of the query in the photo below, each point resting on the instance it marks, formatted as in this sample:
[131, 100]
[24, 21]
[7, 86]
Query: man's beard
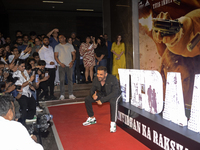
[102, 79]
[46, 44]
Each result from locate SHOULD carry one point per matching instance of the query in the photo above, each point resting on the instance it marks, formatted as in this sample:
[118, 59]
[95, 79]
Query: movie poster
[169, 35]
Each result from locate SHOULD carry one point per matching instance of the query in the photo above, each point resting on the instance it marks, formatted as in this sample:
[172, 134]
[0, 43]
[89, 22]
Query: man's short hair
[32, 33]
[42, 63]
[25, 35]
[12, 48]
[45, 37]
[5, 104]
[18, 31]
[35, 54]
[20, 61]
[31, 59]
[73, 33]
[28, 67]
[37, 38]
[102, 68]
[62, 35]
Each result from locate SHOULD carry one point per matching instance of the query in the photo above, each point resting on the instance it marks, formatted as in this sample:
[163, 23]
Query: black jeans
[42, 86]
[28, 108]
[50, 81]
[113, 107]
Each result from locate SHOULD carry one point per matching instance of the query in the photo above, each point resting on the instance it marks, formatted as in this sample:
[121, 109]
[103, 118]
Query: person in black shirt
[101, 53]
[105, 88]
[76, 43]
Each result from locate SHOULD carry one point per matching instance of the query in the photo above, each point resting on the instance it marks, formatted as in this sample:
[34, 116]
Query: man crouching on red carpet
[105, 88]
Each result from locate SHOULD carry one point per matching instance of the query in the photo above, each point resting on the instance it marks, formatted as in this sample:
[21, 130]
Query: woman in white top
[26, 101]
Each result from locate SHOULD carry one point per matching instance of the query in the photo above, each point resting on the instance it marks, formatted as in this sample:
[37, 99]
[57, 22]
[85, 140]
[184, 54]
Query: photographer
[26, 101]
[13, 134]
[18, 54]
[6, 80]
[42, 80]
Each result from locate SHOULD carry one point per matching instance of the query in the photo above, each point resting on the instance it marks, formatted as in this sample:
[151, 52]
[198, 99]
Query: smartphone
[36, 78]
[18, 87]
[33, 73]
[29, 45]
[46, 74]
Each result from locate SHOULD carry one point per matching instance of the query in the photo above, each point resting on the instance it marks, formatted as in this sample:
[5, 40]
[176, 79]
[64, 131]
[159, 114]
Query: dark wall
[4, 27]
[121, 23]
[45, 21]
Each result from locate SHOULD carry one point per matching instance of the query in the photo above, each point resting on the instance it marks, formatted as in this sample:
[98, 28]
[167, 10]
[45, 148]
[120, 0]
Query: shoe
[62, 97]
[32, 120]
[112, 127]
[38, 109]
[90, 121]
[72, 96]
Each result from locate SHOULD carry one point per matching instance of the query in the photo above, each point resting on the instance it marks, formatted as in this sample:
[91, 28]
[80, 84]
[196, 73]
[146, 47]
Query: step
[78, 93]
[76, 87]
[60, 102]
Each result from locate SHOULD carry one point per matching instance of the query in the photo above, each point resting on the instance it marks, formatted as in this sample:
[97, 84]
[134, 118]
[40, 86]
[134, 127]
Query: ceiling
[67, 5]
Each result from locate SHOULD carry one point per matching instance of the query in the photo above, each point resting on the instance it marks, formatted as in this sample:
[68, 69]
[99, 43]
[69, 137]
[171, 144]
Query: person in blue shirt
[53, 38]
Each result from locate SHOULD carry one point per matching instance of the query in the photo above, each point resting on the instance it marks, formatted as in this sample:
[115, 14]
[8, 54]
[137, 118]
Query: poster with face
[169, 35]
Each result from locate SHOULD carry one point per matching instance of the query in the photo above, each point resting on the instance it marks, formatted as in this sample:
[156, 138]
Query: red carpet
[68, 121]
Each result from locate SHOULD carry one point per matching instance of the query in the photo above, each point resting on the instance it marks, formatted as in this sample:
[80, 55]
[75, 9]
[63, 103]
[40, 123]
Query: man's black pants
[28, 108]
[50, 81]
[113, 107]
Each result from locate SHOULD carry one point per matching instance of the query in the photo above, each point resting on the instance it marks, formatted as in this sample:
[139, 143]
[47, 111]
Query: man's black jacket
[111, 87]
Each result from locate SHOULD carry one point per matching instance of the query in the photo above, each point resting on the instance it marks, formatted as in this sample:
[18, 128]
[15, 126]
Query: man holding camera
[13, 134]
[105, 88]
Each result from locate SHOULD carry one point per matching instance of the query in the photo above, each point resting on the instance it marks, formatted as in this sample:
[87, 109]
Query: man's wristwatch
[29, 82]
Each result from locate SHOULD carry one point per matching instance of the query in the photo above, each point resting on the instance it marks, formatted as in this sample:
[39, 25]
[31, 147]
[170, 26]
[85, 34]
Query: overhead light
[85, 9]
[58, 2]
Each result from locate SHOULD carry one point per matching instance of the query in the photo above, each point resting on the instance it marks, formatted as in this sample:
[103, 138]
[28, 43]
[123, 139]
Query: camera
[9, 78]
[41, 70]
[42, 123]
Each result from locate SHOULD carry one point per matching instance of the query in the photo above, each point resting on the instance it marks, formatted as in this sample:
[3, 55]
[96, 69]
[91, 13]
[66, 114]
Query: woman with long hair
[87, 51]
[101, 53]
[119, 60]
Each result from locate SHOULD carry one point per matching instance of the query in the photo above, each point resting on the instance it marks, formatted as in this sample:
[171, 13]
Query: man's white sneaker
[62, 97]
[72, 96]
[90, 121]
[112, 127]
[32, 120]
[38, 109]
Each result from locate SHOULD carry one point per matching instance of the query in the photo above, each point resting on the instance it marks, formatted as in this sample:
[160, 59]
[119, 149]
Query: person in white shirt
[23, 55]
[46, 53]
[14, 136]
[26, 101]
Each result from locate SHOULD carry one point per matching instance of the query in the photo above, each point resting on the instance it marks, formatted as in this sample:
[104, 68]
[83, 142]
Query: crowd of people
[32, 65]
